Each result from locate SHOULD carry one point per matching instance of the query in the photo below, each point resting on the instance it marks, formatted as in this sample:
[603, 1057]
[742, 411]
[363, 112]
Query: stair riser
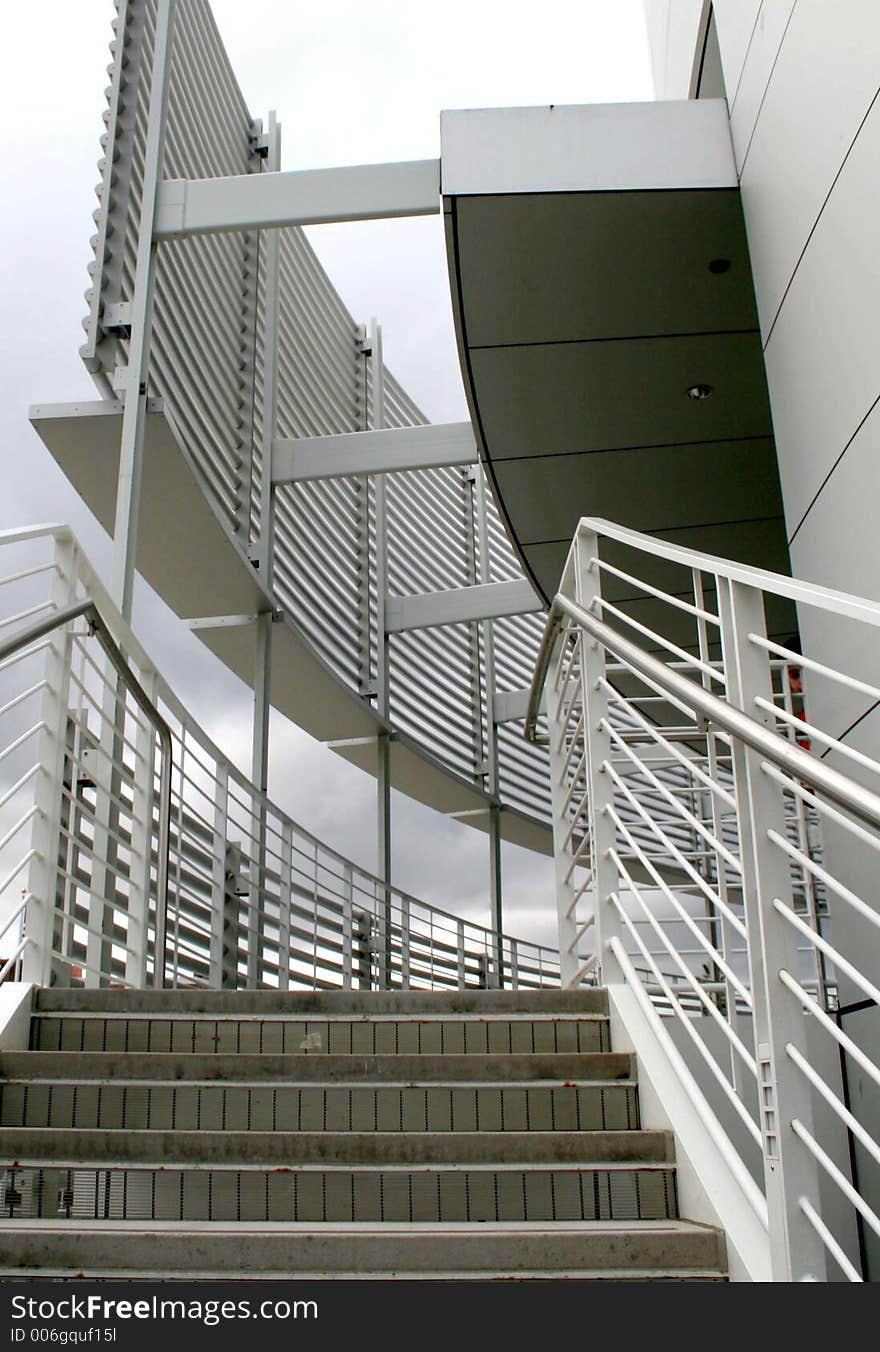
[316, 1196]
[190, 1107]
[341, 1037]
[38, 1145]
[261, 1253]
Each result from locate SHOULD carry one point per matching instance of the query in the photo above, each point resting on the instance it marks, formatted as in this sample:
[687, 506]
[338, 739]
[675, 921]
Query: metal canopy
[198, 568]
[600, 270]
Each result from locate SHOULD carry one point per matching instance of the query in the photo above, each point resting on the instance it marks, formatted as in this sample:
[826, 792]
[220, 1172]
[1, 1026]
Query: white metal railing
[716, 850]
[112, 796]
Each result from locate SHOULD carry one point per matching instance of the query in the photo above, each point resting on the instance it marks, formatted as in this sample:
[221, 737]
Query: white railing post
[218, 878]
[557, 750]
[790, 1172]
[42, 881]
[347, 926]
[284, 919]
[143, 795]
[404, 944]
[600, 789]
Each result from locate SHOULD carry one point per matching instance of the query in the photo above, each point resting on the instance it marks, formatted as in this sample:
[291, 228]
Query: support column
[383, 748]
[491, 745]
[263, 558]
[136, 373]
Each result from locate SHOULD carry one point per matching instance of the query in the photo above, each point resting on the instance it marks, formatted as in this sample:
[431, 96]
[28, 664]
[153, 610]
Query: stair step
[41, 1145]
[310, 1193]
[412, 1106]
[314, 1003]
[322, 1067]
[655, 1249]
[365, 1035]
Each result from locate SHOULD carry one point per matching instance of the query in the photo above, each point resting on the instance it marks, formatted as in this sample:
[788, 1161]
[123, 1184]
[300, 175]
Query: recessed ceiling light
[699, 391]
[719, 265]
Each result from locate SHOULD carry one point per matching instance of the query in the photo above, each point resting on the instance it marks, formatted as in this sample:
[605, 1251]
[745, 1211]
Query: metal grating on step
[357, 1037]
[310, 1195]
[361, 1107]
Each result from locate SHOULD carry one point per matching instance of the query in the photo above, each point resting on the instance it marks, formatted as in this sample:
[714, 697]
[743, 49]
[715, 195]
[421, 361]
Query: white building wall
[802, 79]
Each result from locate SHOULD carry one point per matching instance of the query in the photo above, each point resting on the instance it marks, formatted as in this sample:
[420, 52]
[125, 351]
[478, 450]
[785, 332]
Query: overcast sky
[352, 83]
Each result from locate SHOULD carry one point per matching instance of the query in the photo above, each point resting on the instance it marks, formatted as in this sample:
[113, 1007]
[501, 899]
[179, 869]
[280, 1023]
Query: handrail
[88, 610]
[788, 756]
[792, 588]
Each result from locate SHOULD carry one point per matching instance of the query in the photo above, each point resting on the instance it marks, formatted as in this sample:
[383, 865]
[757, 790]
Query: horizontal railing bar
[831, 1169]
[715, 1070]
[707, 668]
[829, 1025]
[804, 728]
[828, 1240]
[845, 894]
[840, 962]
[852, 1123]
[785, 754]
[639, 582]
[810, 663]
[708, 948]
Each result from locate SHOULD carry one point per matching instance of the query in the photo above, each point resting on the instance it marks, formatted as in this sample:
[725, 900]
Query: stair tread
[383, 1228]
[478, 1001]
[134, 1145]
[426, 1067]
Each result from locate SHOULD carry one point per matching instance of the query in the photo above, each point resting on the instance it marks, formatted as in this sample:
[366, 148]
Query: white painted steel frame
[207, 306]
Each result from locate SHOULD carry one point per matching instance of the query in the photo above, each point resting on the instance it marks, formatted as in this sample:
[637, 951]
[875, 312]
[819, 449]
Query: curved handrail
[88, 610]
[786, 755]
[124, 648]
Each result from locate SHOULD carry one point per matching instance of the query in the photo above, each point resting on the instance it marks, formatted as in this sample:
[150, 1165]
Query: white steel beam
[298, 459]
[488, 600]
[222, 621]
[361, 192]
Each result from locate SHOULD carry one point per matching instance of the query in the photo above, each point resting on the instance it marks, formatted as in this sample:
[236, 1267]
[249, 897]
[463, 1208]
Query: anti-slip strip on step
[303, 1067]
[44, 1146]
[440, 1194]
[313, 1003]
[356, 1108]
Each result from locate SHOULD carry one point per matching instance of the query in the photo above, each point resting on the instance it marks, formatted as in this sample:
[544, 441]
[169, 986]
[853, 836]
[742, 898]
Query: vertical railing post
[404, 944]
[143, 800]
[460, 967]
[600, 791]
[284, 894]
[347, 926]
[557, 752]
[218, 876]
[790, 1172]
[562, 852]
[42, 881]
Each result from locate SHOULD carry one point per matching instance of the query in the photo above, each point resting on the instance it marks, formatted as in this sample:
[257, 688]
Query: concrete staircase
[335, 1134]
